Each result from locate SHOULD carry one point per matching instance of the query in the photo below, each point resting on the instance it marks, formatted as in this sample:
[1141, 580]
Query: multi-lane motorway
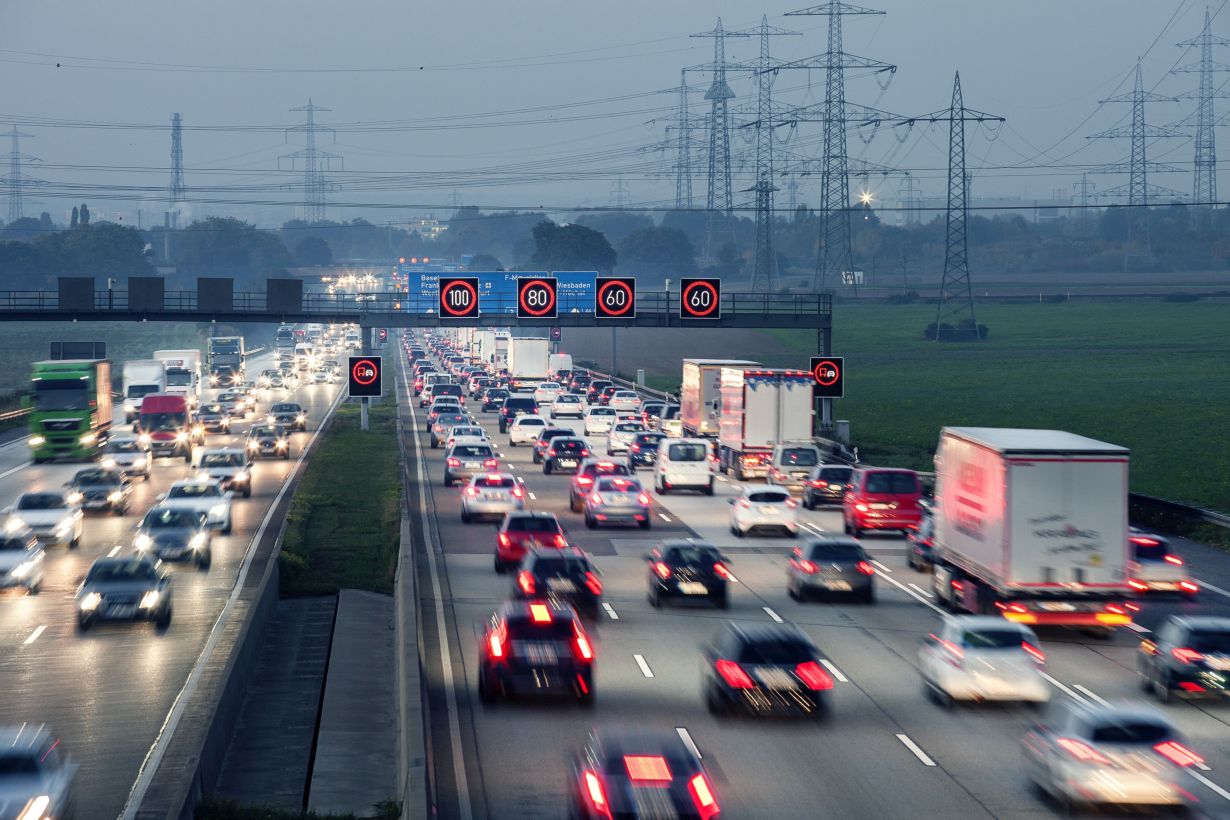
[885, 751]
[107, 692]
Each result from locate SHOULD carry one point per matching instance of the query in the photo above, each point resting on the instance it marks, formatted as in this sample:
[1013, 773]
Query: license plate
[838, 586]
[693, 588]
[1164, 585]
[776, 678]
[1058, 606]
[121, 611]
[561, 585]
[493, 497]
[471, 465]
[767, 510]
[567, 462]
[540, 653]
[619, 498]
[883, 506]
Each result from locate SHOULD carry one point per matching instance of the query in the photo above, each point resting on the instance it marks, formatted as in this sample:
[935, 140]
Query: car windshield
[222, 460]
[229, 397]
[768, 497]
[211, 409]
[618, 485]
[992, 638]
[41, 501]
[1130, 731]
[519, 404]
[123, 446]
[891, 483]
[799, 457]
[1210, 642]
[194, 491]
[548, 386]
[285, 408]
[569, 399]
[162, 421]
[14, 764]
[671, 412]
[446, 390]
[134, 570]
[528, 524]
[608, 468]
[96, 477]
[467, 431]
[170, 518]
[775, 651]
[836, 551]
[692, 555]
[136, 391]
[13, 544]
[471, 451]
[264, 432]
[687, 452]
[179, 378]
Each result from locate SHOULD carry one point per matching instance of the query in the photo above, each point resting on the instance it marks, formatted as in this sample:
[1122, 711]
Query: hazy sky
[235, 68]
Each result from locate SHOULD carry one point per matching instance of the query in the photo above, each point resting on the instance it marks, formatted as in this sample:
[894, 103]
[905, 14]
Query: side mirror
[730, 501]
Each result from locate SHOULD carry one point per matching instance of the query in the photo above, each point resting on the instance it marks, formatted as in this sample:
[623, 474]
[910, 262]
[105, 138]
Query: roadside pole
[366, 334]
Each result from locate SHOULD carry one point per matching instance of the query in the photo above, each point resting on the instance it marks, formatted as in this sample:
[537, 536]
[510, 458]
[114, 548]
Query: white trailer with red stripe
[1032, 525]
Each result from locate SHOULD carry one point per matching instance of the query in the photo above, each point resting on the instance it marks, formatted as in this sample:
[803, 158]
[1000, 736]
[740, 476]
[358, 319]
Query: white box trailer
[1032, 525]
[141, 377]
[183, 373]
[700, 396]
[528, 362]
[761, 408]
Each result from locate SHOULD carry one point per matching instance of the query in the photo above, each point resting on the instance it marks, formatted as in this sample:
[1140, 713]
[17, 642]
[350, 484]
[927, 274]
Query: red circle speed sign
[536, 297]
[700, 299]
[459, 297]
[616, 298]
[826, 372]
[365, 372]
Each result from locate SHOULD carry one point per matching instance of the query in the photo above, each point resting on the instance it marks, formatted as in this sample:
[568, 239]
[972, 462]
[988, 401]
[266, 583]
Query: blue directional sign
[497, 291]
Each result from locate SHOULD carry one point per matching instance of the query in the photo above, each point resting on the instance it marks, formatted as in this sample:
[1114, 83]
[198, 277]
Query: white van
[684, 464]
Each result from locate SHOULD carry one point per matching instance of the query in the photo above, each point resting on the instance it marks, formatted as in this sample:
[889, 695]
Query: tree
[313, 252]
[485, 262]
[655, 254]
[76, 218]
[571, 247]
[229, 247]
[729, 261]
[44, 221]
[615, 225]
[102, 250]
[85, 214]
[26, 228]
[22, 266]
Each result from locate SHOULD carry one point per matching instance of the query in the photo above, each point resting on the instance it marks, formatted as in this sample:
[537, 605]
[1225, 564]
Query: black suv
[493, 398]
[643, 451]
[689, 570]
[560, 574]
[564, 455]
[1187, 655]
[514, 406]
[765, 668]
[536, 647]
[544, 440]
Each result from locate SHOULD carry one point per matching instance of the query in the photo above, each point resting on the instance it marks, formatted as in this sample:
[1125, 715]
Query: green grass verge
[217, 808]
[344, 524]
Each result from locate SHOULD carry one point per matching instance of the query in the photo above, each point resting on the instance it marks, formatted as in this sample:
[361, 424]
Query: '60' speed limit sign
[700, 298]
[615, 297]
[536, 297]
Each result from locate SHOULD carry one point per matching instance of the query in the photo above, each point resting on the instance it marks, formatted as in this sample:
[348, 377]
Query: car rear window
[524, 628]
[692, 555]
[1210, 642]
[531, 421]
[498, 481]
[838, 551]
[446, 390]
[618, 485]
[527, 524]
[768, 497]
[891, 483]
[799, 457]
[608, 468]
[1150, 551]
[560, 566]
[519, 404]
[471, 451]
[649, 438]
[839, 474]
[687, 452]
[1129, 731]
[774, 651]
[992, 638]
[602, 411]
[572, 445]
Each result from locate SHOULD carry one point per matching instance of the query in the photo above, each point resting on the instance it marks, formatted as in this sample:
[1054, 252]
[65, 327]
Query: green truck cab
[70, 408]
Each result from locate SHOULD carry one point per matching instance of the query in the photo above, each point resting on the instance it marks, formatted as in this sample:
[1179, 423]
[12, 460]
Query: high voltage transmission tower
[683, 123]
[910, 196]
[620, 197]
[315, 163]
[1204, 178]
[177, 191]
[16, 181]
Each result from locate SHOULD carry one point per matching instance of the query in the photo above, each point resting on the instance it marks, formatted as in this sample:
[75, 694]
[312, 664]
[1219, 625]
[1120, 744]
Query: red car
[522, 530]
[882, 499]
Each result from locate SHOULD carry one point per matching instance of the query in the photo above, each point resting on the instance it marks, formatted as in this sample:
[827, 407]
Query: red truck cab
[167, 425]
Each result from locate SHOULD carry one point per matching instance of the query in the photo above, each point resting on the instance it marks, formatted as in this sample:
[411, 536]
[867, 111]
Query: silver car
[619, 440]
[467, 459]
[128, 588]
[492, 494]
[36, 779]
[127, 453]
[617, 499]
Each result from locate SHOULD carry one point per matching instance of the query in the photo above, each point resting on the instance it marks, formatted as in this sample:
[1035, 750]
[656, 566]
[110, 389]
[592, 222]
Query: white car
[50, 515]
[619, 440]
[599, 420]
[765, 508]
[492, 494]
[547, 392]
[37, 780]
[684, 464]
[1154, 568]
[625, 400]
[21, 561]
[983, 657]
[323, 376]
[127, 453]
[230, 467]
[525, 430]
[464, 431]
[568, 404]
[203, 496]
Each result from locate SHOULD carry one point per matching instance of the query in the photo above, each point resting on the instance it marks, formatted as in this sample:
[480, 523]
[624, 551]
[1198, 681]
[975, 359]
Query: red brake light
[504, 541]
[636, 448]
[1189, 586]
[595, 793]
[702, 796]
[538, 612]
[583, 648]
[662, 569]
[584, 481]
[591, 581]
[1033, 652]
[1178, 754]
[495, 647]
[719, 569]
[491, 462]
[596, 498]
[471, 491]
[517, 492]
[1144, 541]
[1139, 586]
[811, 674]
[647, 769]
[643, 500]
[790, 502]
[1081, 751]
[1174, 559]
[584, 452]
[1186, 656]
[454, 462]
[805, 566]
[734, 675]
[865, 568]
[560, 540]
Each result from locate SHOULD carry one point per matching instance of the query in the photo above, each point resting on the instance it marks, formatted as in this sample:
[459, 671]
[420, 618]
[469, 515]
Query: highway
[885, 751]
[106, 693]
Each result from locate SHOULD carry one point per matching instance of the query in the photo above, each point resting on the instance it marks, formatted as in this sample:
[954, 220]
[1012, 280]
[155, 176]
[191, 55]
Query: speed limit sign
[458, 297]
[615, 297]
[536, 297]
[700, 298]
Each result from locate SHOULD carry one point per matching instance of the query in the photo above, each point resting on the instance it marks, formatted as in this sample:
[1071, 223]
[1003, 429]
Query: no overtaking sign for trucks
[365, 381]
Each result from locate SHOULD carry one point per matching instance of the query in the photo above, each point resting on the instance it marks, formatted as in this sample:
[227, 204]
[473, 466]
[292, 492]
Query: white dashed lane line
[645, 670]
[34, 635]
[918, 752]
[1091, 695]
[664, 517]
[687, 741]
[833, 670]
[776, 618]
[881, 566]
[610, 611]
[920, 590]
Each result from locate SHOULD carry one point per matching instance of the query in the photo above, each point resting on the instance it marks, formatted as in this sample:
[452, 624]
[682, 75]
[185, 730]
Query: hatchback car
[599, 420]
[229, 467]
[626, 400]
[617, 500]
[214, 418]
[1155, 568]
[288, 414]
[560, 574]
[604, 398]
[493, 399]
[234, 404]
[100, 490]
[491, 494]
[547, 392]
[765, 669]
[268, 440]
[1188, 656]
[619, 439]
[22, 560]
[51, 515]
[688, 570]
[643, 452]
[536, 647]
[514, 406]
[758, 508]
[469, 459]
[983, 658]
[564, 455]
[545, 436]
[464, 431]
[790, 464]
[127, 453]
[590, 471]
[830, 566]
[882, 499]
[131, 588]
[650, 411]
[521, 531]
[448, 404]
[594, 390]
[826, 484]
[568, 405]
[175, 533]
[525, 430]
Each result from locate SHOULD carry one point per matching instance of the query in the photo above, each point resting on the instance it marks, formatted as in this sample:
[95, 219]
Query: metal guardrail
[1182, 511]
[14, 414]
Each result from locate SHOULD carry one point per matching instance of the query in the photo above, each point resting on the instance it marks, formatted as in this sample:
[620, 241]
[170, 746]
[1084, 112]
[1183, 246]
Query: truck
[559, 362]
[183, 373]
[1032, 525]
[284, 338]
[527, 363]
[141, 377]
[227, 361]
[70, 408]
[166, 425]
[700, 396]
[760, 409]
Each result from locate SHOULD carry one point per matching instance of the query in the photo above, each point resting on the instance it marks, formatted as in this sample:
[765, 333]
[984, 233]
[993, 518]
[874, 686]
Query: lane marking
[920, 590]
[1216, 788]
[914, 595]
[687, 741]
[1214, 587]
[1061, 687]
[610, 611]
[533, 497]
[645, 670]
[881, 566]
[664, 517]
[114, 551]
[1204, 767]
[833, 670]
[34, 635]
[776, 618]
[1135, 627]
[918, 752]
[18, 468]
[813, 528]
[1085, 691]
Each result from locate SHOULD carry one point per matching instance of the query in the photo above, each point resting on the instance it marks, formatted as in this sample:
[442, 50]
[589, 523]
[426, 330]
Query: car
[619, 439]
[522, 530]
[493, 399]
[920, 544]
[448, 390]
[690, 570]
[684, 464]
[670, 422]
[464, 460]
[99, 489]
[764, 669]
[1187, 655]
[536, 647]
[206, 497]
[127, 453]
[643, 451]
[590, 470]
[547, 392]
[651, 410]
[288, 414]
[625, 400]
[525, 430]
[578, 385]
[617, 499]
[323, 375]
[214, 417]
[604, 398]
[830, 565]
[567, 404]
[1109, 754]
[1154, 567]
[764, 508]
[564, 455]
[230, 467]
[444, 421]
[882, 499]
[983, 658]
[514, 406]
[594, 389]
[491, 494]
[127, 588]
[543, 441]
[234, 404]
[790, 465]
[560, 574]
[826, 484]
[36, 777]
[448, 404]
[22, 561]
[277, 381]
[268, 440]
[53, 518]
[172, 532]
[599, 420]
[265, 379]
[464, 431]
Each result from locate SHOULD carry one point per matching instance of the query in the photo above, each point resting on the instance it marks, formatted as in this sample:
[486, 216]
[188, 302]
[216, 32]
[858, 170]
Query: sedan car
[173, 533]
[560, 574]
[625, 400]
[1122, 755]
[619, 438]
[522, 531]
[323, 375]
[761, 508]
[443, 422]
[545, 435]
[643, 452]
[448, 404]
[547, 392]
[234, 404]
[525, 430]
[765, 669]
[591, 470]
[53, 518]
[617, 499]
[536, 647]
[564, 455]
[568, 405]
[130, 588]
[493, 399]
[127, 453]
[205, 497]
[288, 414]
[491, 494]
[214, 417]
[689, 570]
[465, 459]
[464, 431]
[268, 440]
[21, 561]
[1155, 568]
[599, 420]
[1187, 656]
[826, 484]
[983, 658]
[36, 777]
[831, 566]
[229, 467]
[100, 490]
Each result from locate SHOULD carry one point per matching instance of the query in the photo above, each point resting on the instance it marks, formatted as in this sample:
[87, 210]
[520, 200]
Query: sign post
[828, 382]
[364, 382]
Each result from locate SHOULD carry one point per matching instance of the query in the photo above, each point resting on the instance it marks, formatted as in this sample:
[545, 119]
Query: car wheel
[227, 529]
[484, 690]
[121, 511]
[466, 518]
[164, 620]
[36, 587]
[448, 482]
[590, 523]
[738, 531]
[84, 624]
[573, 504]
[586, 698]
[204, 559]
[793, 592]
[146, 477]
[868, 597]
[511, 442]
[434, 444]
[76, 542]
[655, 597]
[1161, 686]
[721, 600]
[247, 493]
[499, 567]
[856, 531]
[714, 703]
[709, 487]
[546, 468]
[646, 524]
[535, 458]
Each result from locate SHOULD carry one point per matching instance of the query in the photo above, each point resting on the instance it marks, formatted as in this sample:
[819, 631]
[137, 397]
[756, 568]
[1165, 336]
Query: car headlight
[109, 463]
[90, 602]
[88, 438]
[218, 510]
[145, 438]
[281, 444]
[150, 599]
[14, 523]
[115, 496]
[73, 498]
[64, 525]
[213, 379]
[181, 436]
[199, 429]
[139, 461]
[143, 542]
[36, 441]
[301, 418]
[240, 478]
[23, 569]
[199, 540]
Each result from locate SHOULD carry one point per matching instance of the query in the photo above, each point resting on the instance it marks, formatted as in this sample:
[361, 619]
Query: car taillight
[1139, 586]
[1189, 586]
[734, 675]
[591, 581]
[662, 569]
[1033, 652]
[584, 650]
[647, 769]
[1178, 754]
[595, 793]
[454, 462]
[560, 540]
[1144, 541]
[719, 569]
[1081, 751]
[636, 448]
[517, 492]
[495, 647]
[813, 676]
[1174, 559]
[954, 655]
[1186, 656]
[790, 502]
[804, 566]
[504, 541]
[584, 453]
[584, 481]
[471, 491]
[596, 498]
[818, 484]
[491, 463]
[642, 499]
[702, 796]
[865, 568]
